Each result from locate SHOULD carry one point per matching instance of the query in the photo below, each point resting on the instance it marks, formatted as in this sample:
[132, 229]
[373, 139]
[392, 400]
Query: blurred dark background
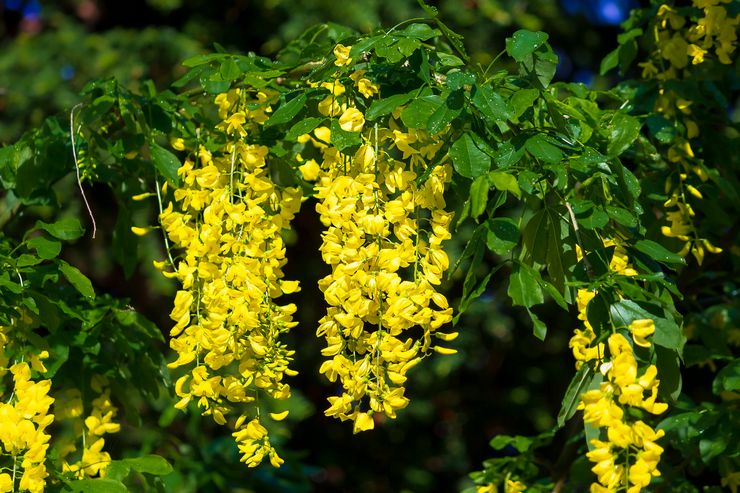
[502, 380]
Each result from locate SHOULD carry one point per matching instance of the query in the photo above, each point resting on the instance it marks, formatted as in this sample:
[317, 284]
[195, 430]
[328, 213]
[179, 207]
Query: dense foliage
[605, 217]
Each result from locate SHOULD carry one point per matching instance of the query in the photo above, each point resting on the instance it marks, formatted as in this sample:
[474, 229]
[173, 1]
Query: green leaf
[491, 104]
[541, 147]
[341, 139]
[303, 127]
[524, 288]
[420, 110]
[419, 31]
[46, 249]
[659, 253]
[609, 62]
[478, 196]
[522, 100]
[728, 378]
[385, 106]
[287, 111]
[165, 162]
[26, 260]
[447, 60]
[467, 159]
[65, 229]
[523, 43]
[77, 279]
[539, 329]
[98, 485]
[505, 182]
[535, 236]
[621, 131]
[667, 333]
[149, 464]
[545, 65]
[447, 112]
[578, 385]
[520, 443]
[229, 69]
[502, 236]
[622, 216]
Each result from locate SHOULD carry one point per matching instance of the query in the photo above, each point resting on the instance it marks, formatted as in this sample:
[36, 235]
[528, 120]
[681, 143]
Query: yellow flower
[352, 120]
[641, 329]
[341, 52]
[310, 170]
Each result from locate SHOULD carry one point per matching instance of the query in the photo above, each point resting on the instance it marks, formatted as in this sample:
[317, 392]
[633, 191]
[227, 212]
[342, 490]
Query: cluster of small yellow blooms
[678, 38]
[629, 456]
[227, 218]
[383, 241]
[510, 486]
[69, 407]
[581, 342]
[24, 418]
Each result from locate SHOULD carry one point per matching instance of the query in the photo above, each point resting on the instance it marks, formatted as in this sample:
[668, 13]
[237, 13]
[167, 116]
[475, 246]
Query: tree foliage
[613, 207]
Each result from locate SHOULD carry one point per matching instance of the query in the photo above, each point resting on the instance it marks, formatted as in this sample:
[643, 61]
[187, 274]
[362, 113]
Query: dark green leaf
[524, 288]
[658, 252]
[98, 485]
[77, 279]
[478, 196]
[622, 216]
[728, 378]
[303, 127]
[341, 139]
[491, 104]
[467, 159]
[420, 110]
[46, 249]
[502, 236]
[522, 100]
[523, 43]
[578, 385]
[621, 131]
[541, 147]
[385, 106]
[609, 62]
[287, 111]
[447, 112]
[539, 329]
[448, 60]
[535, 236]
[165, 162]
[65, 229]
[520, 443]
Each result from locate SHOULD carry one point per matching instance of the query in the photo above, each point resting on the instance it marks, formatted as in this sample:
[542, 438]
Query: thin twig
[72, 133]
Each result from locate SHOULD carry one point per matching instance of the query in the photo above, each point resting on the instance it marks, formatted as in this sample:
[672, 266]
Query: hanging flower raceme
[629, 456]
[101, 421]
[227, 218]
[24, 418]
[383, 242]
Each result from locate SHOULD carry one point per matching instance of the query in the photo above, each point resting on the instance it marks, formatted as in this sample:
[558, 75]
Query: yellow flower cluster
[678, 38]
[383, 241]
[94, 461]
[629, 457]
[227, 218]
[24, 418]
